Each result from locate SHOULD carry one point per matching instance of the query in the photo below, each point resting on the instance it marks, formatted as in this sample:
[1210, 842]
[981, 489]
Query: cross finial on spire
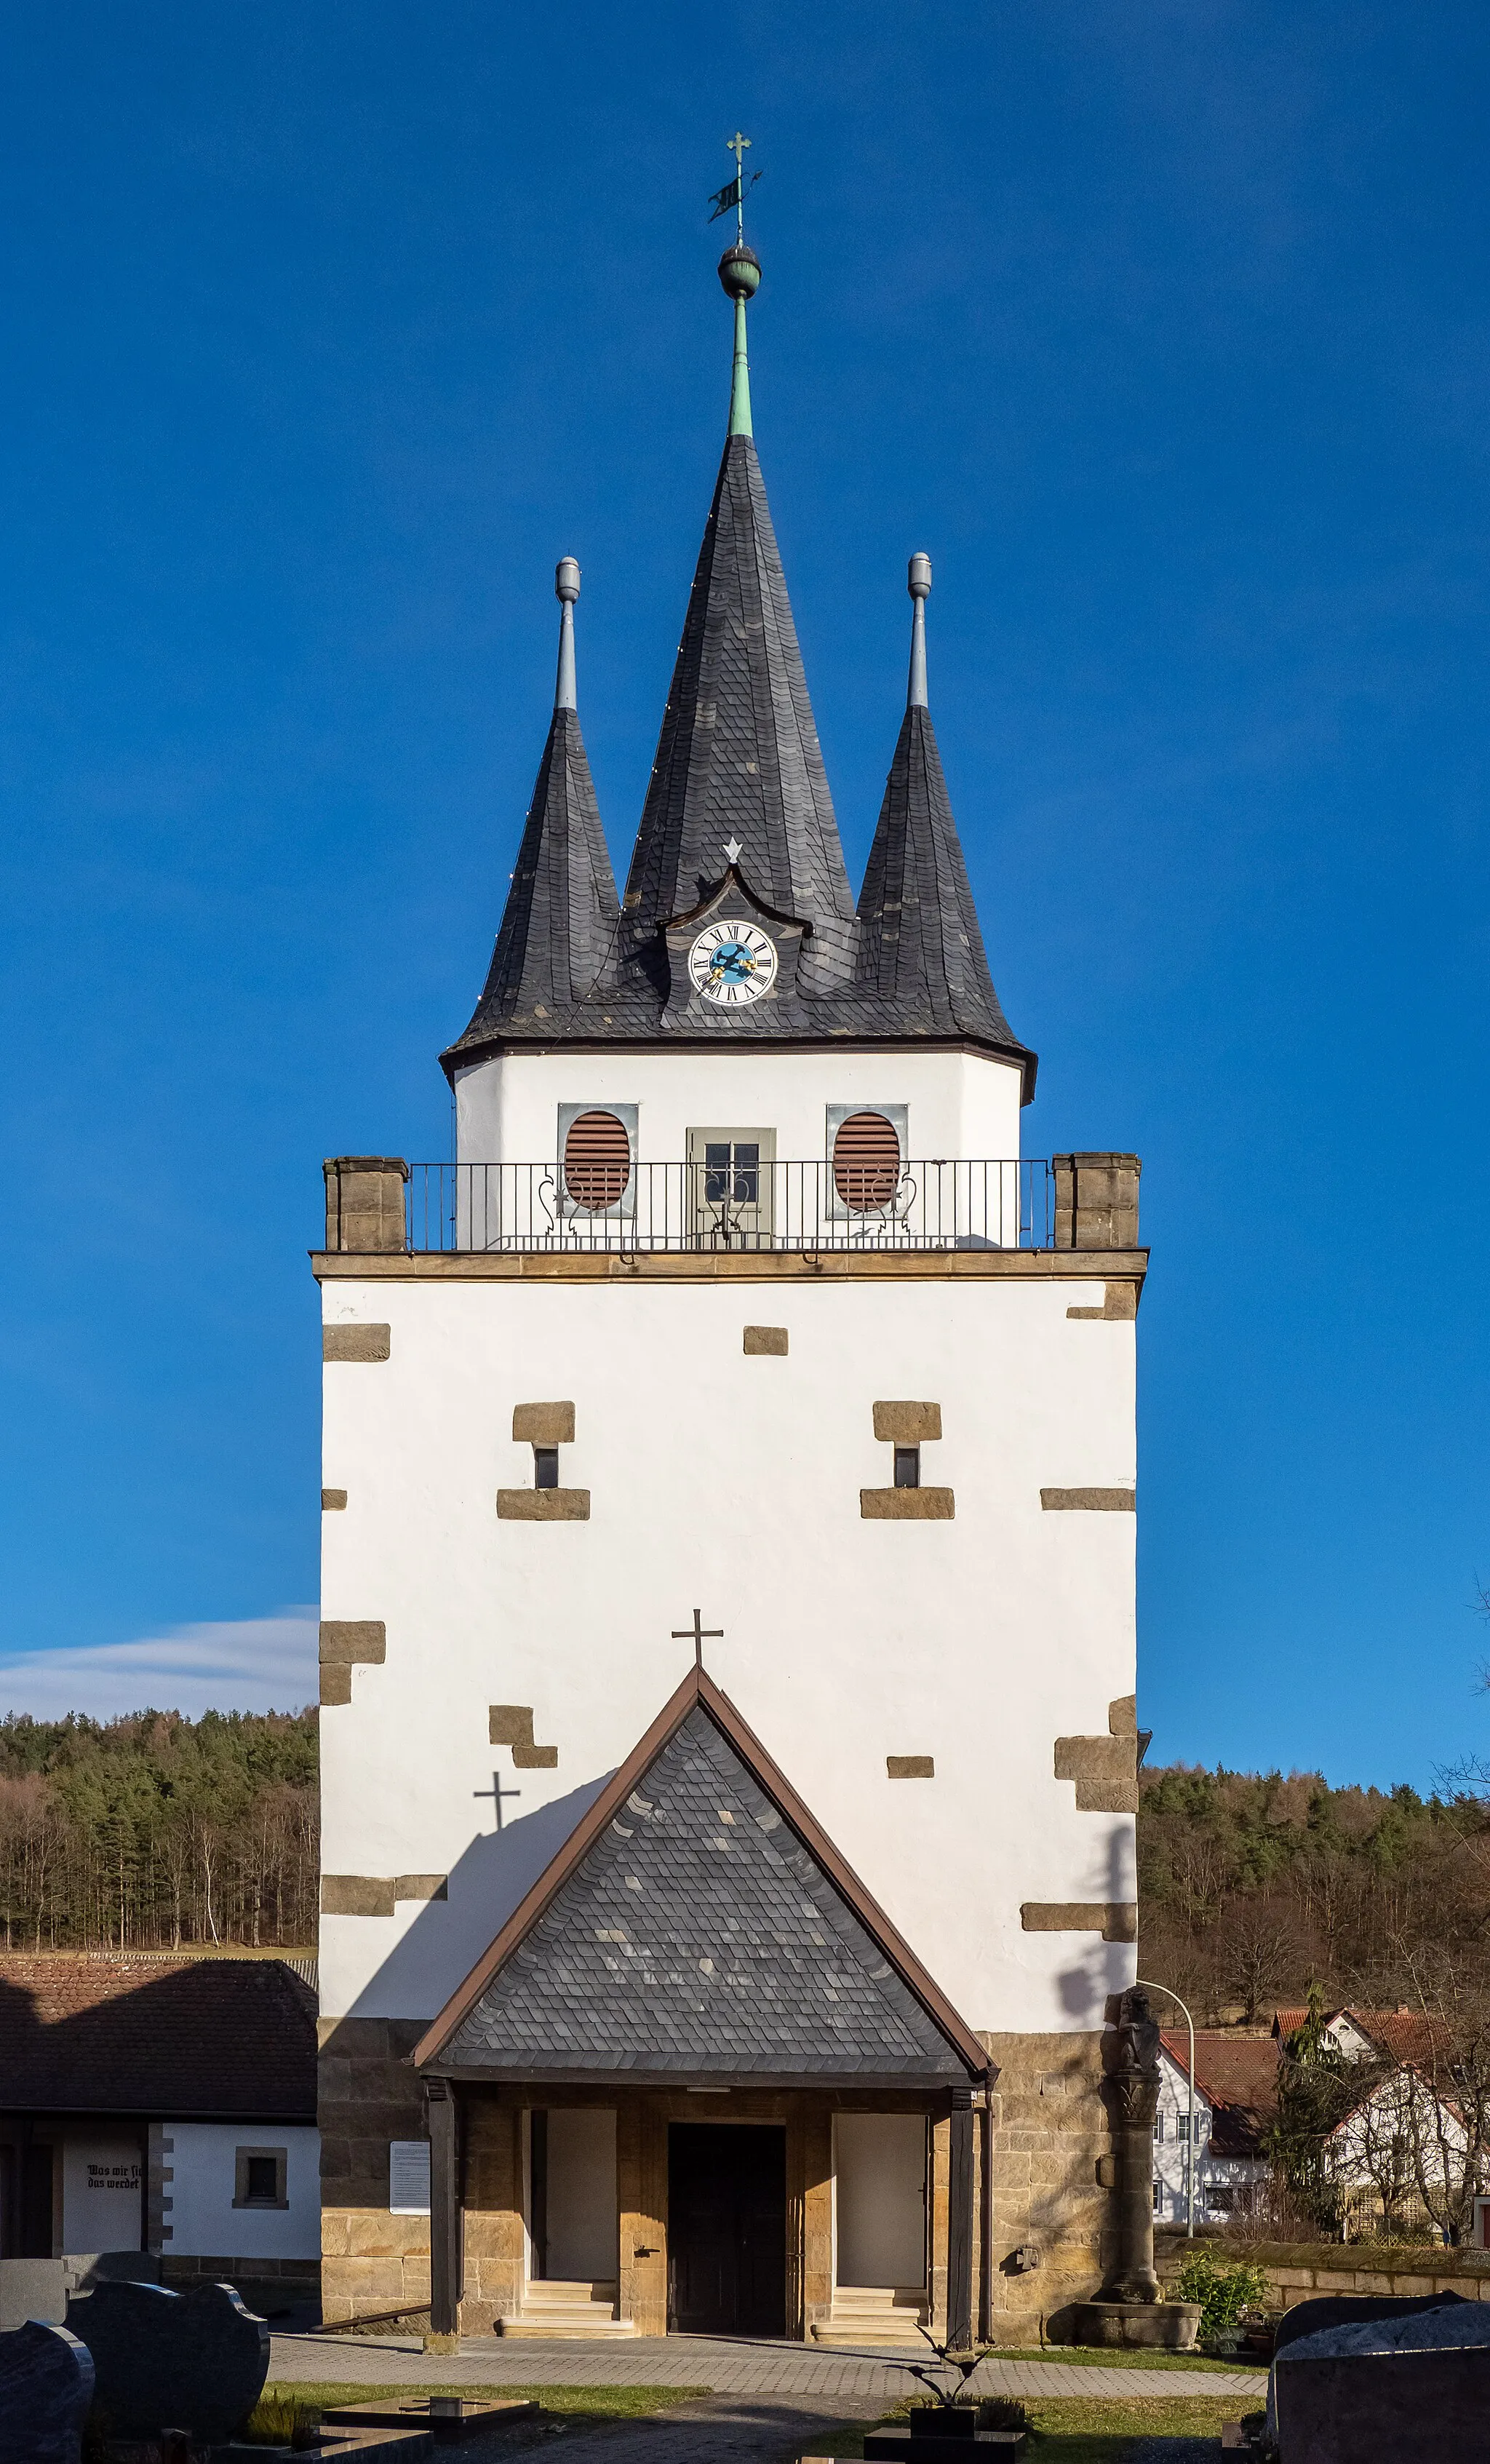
[736, 145]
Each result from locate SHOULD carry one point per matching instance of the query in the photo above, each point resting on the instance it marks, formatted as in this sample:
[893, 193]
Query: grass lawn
[1095, 2357]
[291, 2403]
[1068, 2429]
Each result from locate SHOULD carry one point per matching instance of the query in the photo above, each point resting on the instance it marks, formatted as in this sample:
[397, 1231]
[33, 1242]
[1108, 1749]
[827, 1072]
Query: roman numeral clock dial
[731, 964]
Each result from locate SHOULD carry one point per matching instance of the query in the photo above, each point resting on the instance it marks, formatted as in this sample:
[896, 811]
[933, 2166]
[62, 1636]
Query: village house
[1235, 2078]
[164, 2106]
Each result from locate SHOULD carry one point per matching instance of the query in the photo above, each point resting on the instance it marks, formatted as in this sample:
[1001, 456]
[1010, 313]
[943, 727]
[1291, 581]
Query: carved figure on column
[1131, 2091]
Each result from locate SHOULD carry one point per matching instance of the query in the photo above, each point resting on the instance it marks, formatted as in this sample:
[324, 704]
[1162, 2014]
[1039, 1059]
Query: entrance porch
[807, 2212]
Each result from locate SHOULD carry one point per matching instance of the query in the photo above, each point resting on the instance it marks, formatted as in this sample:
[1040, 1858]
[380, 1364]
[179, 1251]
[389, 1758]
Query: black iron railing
[934, 1204]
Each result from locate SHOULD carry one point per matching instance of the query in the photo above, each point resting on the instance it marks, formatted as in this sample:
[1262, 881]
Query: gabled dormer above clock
[732, 954]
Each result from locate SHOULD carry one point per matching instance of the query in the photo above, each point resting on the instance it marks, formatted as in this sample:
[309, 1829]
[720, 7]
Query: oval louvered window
[597, 1160]
[865, 1161]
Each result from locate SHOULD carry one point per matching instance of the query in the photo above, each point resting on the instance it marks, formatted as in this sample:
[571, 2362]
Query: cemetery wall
[1302, 2271]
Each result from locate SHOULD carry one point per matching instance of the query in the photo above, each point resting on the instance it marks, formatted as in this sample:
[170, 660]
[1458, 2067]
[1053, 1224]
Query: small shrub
[1002, 2413]
[281, 2421]
[1224, 2294]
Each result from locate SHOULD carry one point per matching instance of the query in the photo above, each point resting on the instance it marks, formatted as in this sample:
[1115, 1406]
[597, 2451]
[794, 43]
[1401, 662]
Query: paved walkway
[827, 2384]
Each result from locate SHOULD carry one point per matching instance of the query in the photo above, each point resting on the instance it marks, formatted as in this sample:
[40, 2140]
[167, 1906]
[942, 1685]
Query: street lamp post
[1168, 1990]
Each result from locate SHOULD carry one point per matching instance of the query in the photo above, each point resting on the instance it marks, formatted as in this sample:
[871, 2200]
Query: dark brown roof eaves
[698, 1690]
[214, 2038]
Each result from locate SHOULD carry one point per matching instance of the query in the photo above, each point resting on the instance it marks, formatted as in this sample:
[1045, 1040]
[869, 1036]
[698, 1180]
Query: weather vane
[730, 198]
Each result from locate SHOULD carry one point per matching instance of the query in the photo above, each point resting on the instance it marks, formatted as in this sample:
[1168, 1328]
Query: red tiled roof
[163, 2037]
[1238, 2076]
[1402, 2035]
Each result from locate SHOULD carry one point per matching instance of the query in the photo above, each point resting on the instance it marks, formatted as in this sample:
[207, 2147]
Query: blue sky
[1164, 330]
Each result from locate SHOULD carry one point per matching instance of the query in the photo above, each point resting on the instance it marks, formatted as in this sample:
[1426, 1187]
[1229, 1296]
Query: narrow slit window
[546, 1466]
[908, 1466]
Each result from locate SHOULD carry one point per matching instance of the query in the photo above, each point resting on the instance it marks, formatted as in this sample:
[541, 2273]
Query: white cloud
[244, 1664]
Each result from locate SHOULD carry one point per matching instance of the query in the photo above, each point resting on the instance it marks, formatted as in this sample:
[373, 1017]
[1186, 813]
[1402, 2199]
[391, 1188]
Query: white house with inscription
[729, 1738]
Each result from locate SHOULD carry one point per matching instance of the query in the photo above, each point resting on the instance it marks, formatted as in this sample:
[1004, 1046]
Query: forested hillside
[1250, 1888]
[151, 1832]
[155, 1831]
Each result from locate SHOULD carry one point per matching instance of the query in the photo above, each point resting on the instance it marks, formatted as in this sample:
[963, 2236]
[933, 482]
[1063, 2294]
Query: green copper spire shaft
[739, 381]
[739, 272]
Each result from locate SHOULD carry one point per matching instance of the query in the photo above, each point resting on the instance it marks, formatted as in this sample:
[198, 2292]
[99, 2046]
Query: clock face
[731, 964]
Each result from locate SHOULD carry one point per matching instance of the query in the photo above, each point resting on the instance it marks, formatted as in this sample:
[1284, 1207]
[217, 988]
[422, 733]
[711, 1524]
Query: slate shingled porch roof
[699, 1923]
[180, 2038]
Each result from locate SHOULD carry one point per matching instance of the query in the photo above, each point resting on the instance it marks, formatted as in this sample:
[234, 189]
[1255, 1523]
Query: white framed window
[259, 2177]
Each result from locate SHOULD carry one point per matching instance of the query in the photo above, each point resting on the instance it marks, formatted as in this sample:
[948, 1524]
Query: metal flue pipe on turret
[566, 590]
[918, 582]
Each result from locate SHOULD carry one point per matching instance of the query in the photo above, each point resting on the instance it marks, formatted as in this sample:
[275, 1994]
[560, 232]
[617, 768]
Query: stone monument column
[1131, 2093]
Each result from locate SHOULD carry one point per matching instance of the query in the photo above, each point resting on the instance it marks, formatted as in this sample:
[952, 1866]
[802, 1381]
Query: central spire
[738, 756]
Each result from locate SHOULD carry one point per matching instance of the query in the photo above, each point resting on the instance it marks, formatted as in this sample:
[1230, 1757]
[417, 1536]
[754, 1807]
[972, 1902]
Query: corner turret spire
[920, 950]
[556, 943]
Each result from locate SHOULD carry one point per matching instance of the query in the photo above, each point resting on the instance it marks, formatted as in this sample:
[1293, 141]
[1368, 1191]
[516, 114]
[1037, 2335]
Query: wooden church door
[727, 2228]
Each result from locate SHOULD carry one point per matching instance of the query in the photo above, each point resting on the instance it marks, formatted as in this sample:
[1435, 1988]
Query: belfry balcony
[733, 1200]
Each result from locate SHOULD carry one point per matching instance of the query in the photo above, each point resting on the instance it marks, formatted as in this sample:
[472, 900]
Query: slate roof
[557, 946]
[738, 760]
[156, 2037]
[738, 753]
[698, 1934]
[920, 946]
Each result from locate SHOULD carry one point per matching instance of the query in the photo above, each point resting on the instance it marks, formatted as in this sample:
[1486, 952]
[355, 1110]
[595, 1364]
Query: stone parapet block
[364, 1203]
[1096, 1201]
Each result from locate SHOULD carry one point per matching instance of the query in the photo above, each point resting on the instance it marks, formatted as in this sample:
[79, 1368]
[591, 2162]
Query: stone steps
[874, 2315]
[563, 2311]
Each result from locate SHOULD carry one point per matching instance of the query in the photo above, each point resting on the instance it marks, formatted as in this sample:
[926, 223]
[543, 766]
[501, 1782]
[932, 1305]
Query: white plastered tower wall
[732, 1482]
[958, 1104]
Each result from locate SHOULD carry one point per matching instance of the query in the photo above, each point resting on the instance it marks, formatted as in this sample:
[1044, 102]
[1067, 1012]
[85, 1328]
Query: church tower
[730, 1754]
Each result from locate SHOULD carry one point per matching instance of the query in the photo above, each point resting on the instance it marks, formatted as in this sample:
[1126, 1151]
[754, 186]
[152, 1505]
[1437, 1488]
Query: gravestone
[46, 2387]
[449, 2418]
[1395, 2388]
[41, 2288]
[172, 2360]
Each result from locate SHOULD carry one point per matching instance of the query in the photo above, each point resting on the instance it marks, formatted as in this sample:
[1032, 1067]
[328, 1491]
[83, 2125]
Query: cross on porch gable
[698, 1634]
